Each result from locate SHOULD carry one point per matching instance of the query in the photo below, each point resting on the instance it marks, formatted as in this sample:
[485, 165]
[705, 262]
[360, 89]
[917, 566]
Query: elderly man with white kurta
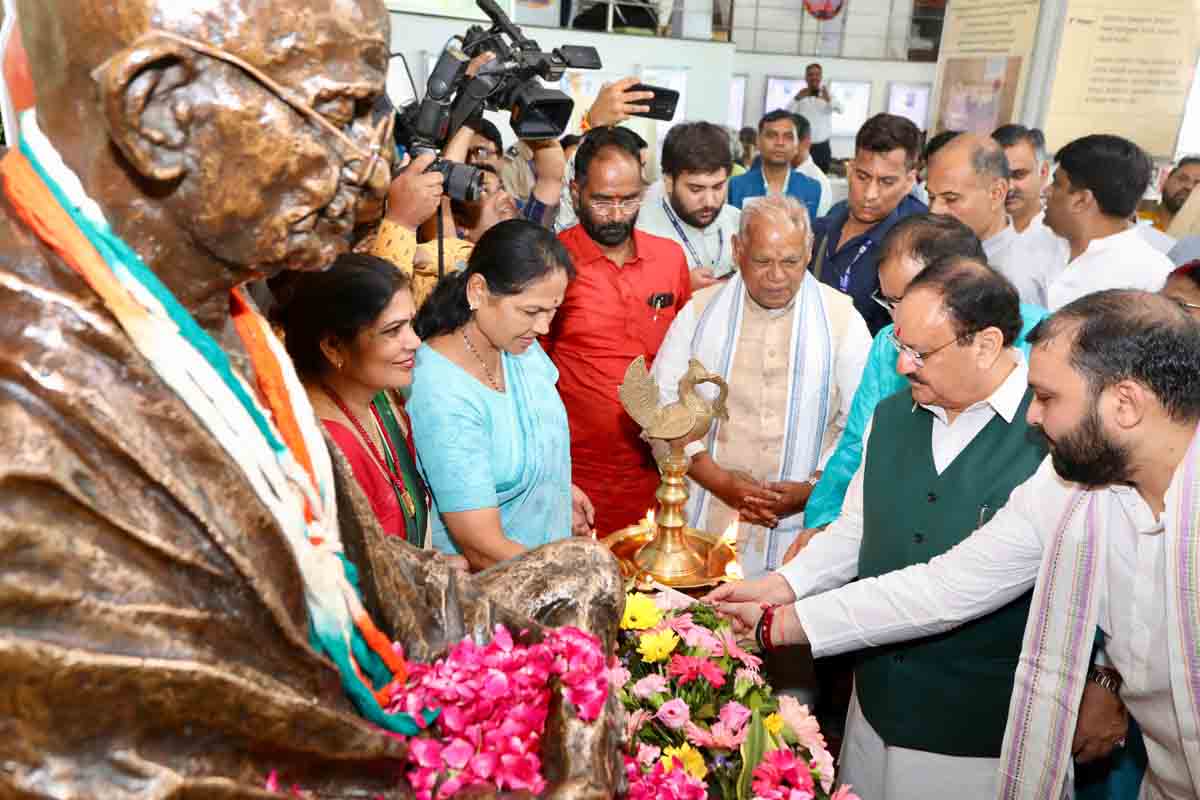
[792, 351]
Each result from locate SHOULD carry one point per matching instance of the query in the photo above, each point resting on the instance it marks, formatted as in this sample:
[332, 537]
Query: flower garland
[494, 700]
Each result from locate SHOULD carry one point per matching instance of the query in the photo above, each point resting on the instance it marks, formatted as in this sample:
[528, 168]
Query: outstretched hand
[615, 103]
[771, 589]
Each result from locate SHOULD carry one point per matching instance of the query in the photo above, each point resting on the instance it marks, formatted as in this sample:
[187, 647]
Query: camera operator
[466, 221]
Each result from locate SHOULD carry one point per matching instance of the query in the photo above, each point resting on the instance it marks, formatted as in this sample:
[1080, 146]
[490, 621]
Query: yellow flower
[773, 723]
[640, 612]
[693, 762]
[658, 645]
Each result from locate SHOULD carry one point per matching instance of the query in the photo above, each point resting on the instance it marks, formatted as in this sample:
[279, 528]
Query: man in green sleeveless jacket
[928, 716]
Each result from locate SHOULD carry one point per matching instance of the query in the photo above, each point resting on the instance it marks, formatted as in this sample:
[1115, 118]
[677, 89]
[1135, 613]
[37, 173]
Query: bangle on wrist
[762, 633]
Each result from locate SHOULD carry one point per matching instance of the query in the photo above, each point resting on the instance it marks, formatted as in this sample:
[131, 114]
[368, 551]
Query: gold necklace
[479, 358]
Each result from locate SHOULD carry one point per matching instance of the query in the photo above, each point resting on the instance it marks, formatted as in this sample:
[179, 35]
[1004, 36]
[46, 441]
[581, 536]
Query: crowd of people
[927, 380]
[962, 440]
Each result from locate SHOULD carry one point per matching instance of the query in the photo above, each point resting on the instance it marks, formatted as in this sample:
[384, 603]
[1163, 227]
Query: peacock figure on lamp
[666, 549]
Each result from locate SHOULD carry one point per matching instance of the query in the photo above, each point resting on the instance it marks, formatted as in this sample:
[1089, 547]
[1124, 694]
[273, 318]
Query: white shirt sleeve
[830, 559]
[672, 359]
[849, 362]
[987, 570]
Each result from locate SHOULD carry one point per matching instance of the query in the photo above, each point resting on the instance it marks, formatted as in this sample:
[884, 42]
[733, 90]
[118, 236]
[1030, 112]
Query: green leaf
[753, 747]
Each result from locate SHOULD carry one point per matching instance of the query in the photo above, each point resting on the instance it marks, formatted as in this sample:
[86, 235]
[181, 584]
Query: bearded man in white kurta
[1108, 529]
[792, 351]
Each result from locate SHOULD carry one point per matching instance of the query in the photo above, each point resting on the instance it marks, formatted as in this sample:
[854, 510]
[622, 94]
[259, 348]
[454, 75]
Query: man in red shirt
[628, 287]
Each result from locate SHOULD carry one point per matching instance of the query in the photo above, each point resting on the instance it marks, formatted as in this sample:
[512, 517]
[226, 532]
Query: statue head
[243, 134]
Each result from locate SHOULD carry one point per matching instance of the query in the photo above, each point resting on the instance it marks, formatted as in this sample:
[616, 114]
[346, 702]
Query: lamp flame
[733, 570]
[648, 520]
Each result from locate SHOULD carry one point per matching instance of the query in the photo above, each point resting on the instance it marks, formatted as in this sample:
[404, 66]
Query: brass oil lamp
[662, 548]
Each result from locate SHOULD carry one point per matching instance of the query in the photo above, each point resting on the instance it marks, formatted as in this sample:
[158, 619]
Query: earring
[337, 363]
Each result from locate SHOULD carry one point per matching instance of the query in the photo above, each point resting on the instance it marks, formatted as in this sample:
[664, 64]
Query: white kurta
[710, 247]
[1027, 258]
[874, 768]
[1121, 261]
[811, 169]
[1001, 561]
[761, 371]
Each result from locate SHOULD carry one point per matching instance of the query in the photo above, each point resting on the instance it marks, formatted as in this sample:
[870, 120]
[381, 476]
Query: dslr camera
[509, 82]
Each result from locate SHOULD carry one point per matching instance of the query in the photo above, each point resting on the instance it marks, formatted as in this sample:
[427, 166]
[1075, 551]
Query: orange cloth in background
[604, 323]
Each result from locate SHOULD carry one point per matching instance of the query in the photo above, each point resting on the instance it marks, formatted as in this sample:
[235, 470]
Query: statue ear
[146, 114]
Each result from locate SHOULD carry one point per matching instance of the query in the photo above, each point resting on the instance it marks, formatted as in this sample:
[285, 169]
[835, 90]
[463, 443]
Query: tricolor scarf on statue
[1035, 763]
[808, 394]
[279, 450]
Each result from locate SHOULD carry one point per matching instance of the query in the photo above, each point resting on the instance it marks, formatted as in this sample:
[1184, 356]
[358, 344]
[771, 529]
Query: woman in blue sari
[489, 427]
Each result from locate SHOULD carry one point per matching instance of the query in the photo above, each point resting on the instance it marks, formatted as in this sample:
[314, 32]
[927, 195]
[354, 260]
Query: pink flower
[720, 736]
[658, 784]
[803, 724]
[649, 686]
[618, 676]
[647, 754]
[844, 793]
[494, 700]
[822, 762]
[702, 638]
[781, 775]
[734, 715]
[634, 723]
[458, 753]
[729, 643]
[680, 623]
[749, 675]
[689, 668]
[674, 713]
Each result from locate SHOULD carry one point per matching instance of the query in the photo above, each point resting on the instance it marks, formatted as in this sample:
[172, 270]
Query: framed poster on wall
[855, 99]
[780, 91]
[911, 101]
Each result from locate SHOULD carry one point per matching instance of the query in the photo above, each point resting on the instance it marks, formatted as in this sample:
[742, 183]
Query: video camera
[508, 82]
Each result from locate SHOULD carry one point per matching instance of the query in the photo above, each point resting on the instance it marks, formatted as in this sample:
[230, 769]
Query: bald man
[969, 180]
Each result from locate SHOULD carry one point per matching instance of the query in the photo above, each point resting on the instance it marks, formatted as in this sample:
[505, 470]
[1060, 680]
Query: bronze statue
[154, 638]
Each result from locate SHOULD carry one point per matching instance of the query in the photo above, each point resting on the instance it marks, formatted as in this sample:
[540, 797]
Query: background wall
[709, 65]
[758, 66]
